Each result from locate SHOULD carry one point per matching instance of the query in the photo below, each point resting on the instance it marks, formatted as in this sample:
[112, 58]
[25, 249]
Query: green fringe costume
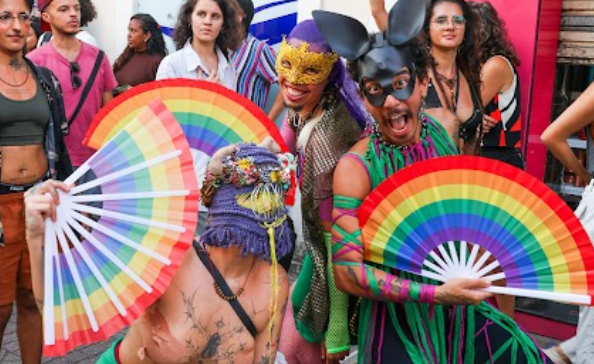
[418, 333]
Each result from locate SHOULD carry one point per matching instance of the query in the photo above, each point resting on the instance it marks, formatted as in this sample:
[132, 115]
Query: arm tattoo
[265, 359]
[353, 275]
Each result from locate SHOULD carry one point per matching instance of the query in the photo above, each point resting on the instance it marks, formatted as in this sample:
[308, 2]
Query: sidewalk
[10, 353]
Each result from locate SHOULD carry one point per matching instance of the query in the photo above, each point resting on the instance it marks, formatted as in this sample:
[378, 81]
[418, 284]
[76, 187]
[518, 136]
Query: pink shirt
[48, 57]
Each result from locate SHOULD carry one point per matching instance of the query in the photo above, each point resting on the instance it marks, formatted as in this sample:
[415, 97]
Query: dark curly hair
[231, 34]
[87, 12]
[492, 34]
[155, 44]
[419, 58]
[466, 60]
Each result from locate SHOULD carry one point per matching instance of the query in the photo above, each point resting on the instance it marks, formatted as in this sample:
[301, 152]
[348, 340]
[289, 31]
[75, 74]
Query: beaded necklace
[385, 158]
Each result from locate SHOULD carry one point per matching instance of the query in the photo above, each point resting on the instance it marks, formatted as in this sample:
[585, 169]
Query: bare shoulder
[350, 177]
[497, 65]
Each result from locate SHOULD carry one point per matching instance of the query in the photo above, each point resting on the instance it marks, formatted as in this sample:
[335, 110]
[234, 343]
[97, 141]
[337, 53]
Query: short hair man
[73, 62]
[194, 321]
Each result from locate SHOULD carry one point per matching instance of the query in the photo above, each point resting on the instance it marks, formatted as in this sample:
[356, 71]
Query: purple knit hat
[233, 219]
[348, 90]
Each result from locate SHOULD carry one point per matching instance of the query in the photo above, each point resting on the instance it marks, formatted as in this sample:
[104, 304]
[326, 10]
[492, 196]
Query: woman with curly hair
[454, 70]
[143, 55]
[500, 89]
[449, 43]
[205, 32]
[87, 15]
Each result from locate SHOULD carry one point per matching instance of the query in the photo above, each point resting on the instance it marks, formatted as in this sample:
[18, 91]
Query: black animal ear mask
[382, 56]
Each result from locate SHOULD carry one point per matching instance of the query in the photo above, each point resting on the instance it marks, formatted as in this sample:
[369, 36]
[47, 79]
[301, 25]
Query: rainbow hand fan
[101, 274]
[432, 218]
[211, 116]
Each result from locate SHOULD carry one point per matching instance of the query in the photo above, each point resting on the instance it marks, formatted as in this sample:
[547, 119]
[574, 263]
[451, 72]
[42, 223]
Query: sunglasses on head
[74, 77]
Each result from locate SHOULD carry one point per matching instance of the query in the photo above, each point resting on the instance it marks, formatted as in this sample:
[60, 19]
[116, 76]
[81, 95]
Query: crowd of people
[439, 79]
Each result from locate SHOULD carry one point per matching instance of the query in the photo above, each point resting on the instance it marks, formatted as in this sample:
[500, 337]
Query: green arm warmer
[337, 336]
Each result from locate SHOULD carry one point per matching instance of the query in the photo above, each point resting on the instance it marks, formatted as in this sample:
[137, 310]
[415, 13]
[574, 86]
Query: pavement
[11, 354]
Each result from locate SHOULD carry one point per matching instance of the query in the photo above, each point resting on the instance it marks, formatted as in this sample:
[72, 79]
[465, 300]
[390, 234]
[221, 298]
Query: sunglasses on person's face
[74, 77]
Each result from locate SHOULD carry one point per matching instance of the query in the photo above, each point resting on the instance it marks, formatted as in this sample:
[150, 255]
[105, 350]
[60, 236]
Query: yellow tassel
[274, 279]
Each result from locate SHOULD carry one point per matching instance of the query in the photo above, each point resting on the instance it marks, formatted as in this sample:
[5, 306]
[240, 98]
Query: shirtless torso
[190, 323]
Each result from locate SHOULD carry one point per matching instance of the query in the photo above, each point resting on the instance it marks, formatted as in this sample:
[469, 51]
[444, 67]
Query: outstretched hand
[40, 203]
[462, 291]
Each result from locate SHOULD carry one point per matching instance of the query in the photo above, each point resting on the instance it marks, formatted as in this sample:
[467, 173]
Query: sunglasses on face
[74, 77]
[457, 21]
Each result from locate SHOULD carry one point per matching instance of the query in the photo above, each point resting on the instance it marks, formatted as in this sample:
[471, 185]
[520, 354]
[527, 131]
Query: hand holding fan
[431, 218]
[101, 274]
[211, 116]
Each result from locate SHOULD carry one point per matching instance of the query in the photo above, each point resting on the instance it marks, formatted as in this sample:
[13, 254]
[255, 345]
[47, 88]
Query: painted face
[398, 120]
[381, 74]
[137, 38]
[15, 25]
[447, 25]
[207, 21]
[301, 67]
[63, 15]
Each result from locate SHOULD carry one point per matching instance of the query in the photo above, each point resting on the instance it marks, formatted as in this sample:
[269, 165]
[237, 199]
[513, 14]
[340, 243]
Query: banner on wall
[273, 19]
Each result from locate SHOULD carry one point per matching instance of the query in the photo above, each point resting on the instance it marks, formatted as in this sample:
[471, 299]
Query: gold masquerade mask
[302, 67]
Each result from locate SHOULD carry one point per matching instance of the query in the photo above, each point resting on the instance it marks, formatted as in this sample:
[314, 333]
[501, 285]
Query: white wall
[111, 26]
[358, 9]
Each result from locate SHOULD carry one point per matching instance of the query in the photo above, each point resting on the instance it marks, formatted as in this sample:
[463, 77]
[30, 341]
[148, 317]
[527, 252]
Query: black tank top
[23, 122]
[468, 127]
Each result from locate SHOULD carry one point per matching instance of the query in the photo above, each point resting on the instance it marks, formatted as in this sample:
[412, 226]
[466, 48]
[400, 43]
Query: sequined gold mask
[301, 67]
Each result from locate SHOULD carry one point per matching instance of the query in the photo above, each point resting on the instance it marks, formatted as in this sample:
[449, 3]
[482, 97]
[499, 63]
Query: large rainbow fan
[211, 116]
[120, 237]
[479, 218]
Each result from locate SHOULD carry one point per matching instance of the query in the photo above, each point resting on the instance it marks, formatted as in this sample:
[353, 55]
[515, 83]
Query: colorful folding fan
[211, 116]
[101, 273]
[431, 218]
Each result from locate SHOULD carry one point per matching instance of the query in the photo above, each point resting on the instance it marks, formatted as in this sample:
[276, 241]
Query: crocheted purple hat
[248, 203]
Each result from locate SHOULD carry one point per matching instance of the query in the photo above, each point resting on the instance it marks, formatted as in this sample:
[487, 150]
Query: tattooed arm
[355, 277]
[266, 344]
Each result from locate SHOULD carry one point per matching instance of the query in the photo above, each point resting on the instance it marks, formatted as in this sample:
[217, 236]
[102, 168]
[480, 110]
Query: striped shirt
[255, 65]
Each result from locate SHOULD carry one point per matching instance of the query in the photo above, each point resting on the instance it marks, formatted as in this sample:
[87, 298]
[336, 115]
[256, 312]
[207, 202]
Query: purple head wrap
[348, 90]
[231, 223]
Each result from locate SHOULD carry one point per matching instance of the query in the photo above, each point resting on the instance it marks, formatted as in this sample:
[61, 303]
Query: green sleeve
[337, 336]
